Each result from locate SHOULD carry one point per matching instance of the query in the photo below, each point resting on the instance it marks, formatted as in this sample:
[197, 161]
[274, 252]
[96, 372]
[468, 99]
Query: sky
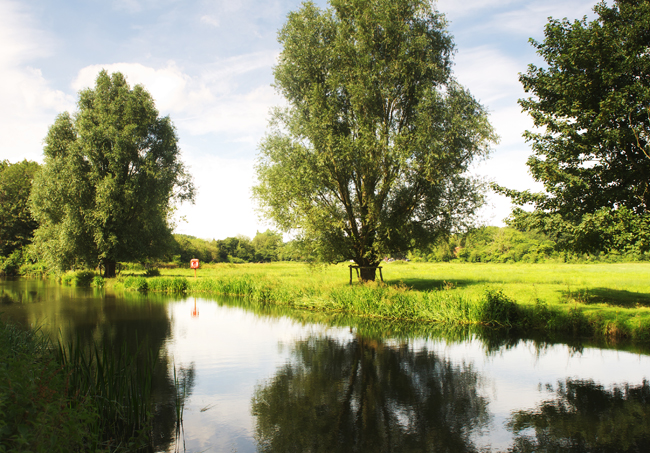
[209, 67]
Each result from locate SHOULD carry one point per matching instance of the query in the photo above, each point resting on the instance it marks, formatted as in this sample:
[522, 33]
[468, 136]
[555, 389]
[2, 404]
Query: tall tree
[111, 176]
[371, 153]
[16, 222]
[591, 105]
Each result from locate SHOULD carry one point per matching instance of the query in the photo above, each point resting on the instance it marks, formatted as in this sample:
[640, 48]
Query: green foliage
[508, 245]
[160, 284]
[16, 222]
[592, 152]
[111, 176]
[81, 278]
[98, 282]
[265, 247]
[37, 413]
[369, 157]
[11, 264]
[498, 309]
[152, 272]
[187, 248]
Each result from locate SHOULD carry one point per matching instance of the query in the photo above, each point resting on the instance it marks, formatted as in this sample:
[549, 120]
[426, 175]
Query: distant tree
[111, 176]
[591, 105]
[371, 154]
[17, 224]
[266, 245]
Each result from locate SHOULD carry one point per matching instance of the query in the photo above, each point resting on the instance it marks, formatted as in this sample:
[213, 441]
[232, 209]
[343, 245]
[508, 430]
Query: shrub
[498, 309]
[11, 264]
[82, 278]
[152, 272]
[98, 281]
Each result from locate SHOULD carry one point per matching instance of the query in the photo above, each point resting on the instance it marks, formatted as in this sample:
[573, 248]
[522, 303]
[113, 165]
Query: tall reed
[119, 382]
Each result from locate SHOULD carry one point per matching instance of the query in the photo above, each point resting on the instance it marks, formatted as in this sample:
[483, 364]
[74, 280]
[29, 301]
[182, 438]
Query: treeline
[263, 248]
[492, 244]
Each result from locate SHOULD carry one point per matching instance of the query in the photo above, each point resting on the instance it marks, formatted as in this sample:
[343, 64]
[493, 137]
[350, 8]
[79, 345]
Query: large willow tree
[111, 176]
[370, 155]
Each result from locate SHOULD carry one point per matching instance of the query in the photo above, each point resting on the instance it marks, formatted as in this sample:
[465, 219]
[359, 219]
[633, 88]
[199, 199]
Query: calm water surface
[264, 379]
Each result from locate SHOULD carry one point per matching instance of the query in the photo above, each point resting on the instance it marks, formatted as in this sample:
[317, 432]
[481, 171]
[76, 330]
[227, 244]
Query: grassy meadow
[599, 299]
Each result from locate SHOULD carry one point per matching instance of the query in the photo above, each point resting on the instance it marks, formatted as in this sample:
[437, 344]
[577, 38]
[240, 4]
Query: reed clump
[118, 382]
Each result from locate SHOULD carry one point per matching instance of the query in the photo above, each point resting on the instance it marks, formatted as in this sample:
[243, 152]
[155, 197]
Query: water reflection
[363, 395]
[583, 416]
[267, 378]
[89, 316]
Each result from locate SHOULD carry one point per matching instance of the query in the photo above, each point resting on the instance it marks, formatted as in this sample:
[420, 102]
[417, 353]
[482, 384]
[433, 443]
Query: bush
[98, 282]
[81, 279]
[498, 309]
[11, 264]
[152, 272]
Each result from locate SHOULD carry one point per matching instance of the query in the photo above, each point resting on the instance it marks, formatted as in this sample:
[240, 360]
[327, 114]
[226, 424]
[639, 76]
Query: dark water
[260, 378]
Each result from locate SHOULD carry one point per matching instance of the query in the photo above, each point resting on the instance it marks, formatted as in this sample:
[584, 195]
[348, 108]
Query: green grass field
[607, 300]
[625, 285]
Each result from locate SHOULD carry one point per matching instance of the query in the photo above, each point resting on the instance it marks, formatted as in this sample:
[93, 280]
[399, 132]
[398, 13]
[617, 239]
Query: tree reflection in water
[364, 395]
[585, 417]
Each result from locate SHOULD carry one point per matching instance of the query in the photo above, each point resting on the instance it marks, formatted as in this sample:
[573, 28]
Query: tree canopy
[370, 156]
[16, 222]
[111, 176]
[591, 107]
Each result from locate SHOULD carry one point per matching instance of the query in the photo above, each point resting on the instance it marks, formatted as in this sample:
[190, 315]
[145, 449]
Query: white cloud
[29, 104]
[490, 74]
[211, 102]
[531, 19]
[210, 20]
[223, 206]
[20, 40]
[168, 86]
[454, 8]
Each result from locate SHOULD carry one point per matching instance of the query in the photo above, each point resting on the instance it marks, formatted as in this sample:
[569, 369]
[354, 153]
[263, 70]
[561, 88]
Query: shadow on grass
[422, 284]
[615, 297]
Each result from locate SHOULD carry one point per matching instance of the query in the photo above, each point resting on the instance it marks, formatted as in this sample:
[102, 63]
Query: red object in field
[194, 264]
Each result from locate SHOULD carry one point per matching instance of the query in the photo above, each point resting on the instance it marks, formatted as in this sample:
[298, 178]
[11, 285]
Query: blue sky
[208, 65]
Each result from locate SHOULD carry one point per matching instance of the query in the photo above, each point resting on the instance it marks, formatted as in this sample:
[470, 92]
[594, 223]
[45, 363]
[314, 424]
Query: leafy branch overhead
[591, 107]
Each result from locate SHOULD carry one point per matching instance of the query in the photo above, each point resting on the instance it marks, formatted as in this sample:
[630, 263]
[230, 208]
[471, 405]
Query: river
[261, 378]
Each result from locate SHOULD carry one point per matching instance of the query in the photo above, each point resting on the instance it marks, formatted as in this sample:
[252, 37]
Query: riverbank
[610, 301]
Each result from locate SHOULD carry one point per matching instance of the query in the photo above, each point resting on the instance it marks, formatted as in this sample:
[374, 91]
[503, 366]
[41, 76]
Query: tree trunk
[368, 273]
[109, 268]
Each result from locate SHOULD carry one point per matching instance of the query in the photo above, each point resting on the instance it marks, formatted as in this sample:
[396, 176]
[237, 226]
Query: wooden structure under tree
[356, 267]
